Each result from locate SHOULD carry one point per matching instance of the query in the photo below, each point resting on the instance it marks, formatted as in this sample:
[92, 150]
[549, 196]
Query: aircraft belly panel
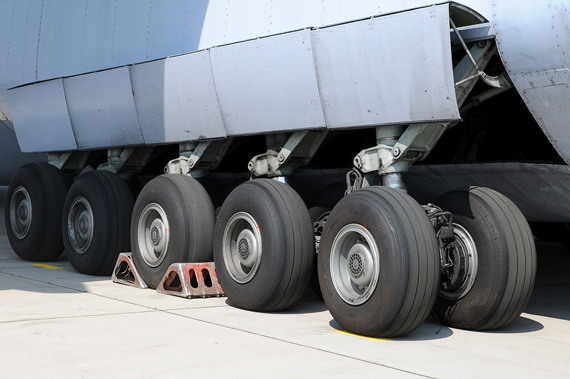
[387, 70]
[394, 69]
[541, 191]
[41, 111]
[176, 99]
[268, 85]
[102, 109]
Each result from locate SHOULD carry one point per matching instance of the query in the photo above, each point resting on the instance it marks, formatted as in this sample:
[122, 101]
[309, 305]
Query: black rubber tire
[190, 215]
[507, 260]
[408, 263]
[111, 202]
[47, 188]
[287, 246]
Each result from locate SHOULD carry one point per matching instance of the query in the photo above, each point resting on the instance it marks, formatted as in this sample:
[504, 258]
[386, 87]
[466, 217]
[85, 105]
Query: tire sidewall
[264, 285]
[89, 187]
[386, 301]
[161, 191]
[476, 308]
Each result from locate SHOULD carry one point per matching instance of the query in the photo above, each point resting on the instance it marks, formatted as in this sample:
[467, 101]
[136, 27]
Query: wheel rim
[153, 233]
[355, 264]
[242, 249]
[80, 225]
[20, 212]
[464, 270]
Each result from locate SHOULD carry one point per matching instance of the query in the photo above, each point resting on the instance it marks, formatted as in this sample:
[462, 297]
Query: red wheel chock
[191, 280]
[126, 273]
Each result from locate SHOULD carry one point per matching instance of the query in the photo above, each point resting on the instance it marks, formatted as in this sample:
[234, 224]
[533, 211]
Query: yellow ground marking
[357, 335]
[45, 266]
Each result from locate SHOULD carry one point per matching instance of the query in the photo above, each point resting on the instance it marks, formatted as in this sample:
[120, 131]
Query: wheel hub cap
[20, 212]
[242, 250]
[355, 264]
[80, 225]
[23, 211]
[360, 265]
[153, 233]
[247, 248]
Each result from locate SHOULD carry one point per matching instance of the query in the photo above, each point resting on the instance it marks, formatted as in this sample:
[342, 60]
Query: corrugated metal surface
[176, 99]
[102, 109]
[40, 111]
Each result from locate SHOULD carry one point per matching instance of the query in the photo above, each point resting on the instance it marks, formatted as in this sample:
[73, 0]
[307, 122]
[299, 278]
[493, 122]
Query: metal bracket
[399, 146]
[297, 151]
[69, 161]
[198, 158]
[116, 159]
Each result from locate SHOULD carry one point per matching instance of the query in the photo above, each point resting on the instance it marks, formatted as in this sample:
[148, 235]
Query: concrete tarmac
[56, 323]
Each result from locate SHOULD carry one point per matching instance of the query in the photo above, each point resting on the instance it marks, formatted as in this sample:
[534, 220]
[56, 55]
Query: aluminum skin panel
[388, 70]
[39, 111]
[268, 85]
[81, 36]
[102, 109]
[548, 97]
[533, 39]
[176, 99]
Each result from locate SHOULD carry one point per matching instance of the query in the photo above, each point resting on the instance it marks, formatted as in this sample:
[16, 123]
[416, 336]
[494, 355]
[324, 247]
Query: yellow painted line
[357, 335]
[46, 266]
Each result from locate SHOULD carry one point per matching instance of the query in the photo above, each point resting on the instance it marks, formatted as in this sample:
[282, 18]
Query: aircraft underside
[310, 158]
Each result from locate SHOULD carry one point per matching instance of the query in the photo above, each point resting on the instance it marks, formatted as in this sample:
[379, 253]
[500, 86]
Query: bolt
[191, 163]
[357, 162]
[396, 152]
[281, 158]
[250, 166]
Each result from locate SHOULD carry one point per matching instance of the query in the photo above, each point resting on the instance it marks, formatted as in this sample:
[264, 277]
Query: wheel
[494, 268]
[172, 222]
[264, 246]
[379, 263]
[96, 222]
[320, 215]
[33, 212]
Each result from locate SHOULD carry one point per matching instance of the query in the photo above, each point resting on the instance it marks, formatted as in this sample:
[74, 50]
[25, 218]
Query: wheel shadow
[551, 295]
[428, 331]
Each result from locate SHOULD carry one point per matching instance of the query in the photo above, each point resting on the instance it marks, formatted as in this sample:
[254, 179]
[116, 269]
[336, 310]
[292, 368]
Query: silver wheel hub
[360, 265]
[464, 269]
[20, 212]
[80, 225]
[241, 246]
[355, 264]
[153, 233]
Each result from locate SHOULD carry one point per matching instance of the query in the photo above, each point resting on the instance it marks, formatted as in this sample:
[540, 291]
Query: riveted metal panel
[38, 111]
[389, 70]
[548, 95]
[102, 109]
[176, 99]
[268, 85]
